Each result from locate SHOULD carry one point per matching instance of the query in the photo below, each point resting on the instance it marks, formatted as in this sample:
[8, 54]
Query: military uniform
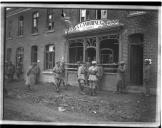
[81, 76]
[92, 78]
[57, 76]
[147, 77]
[121, 85]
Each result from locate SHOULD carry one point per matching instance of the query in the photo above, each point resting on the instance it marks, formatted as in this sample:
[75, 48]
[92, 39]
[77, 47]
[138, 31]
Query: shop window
[50, 19]
[20, 25]
[34, 50]
[35, 18]
[19, 58]
[49, 56]
[101, 14]
[84, 15]
[109, 51]
[9, 51]
[75, 51]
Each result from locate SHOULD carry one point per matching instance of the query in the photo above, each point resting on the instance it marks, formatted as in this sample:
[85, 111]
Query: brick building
[105, 35]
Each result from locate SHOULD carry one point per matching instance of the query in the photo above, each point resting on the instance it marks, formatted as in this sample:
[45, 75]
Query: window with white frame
[84, 15]
[35, 18]
[20, 25]
[50, 19]
[75, 50]
[101, 14]
[49, 56]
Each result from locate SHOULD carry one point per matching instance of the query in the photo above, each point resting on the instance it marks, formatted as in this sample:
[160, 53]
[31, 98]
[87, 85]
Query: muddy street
[44, 104]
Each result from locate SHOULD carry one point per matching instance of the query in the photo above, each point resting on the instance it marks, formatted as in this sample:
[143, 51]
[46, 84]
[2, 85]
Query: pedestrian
[63, 77]
[100, 72]
[57, 76]
[147, 76]
[81, 77]
[92, 71]
[121, 84]
[18, 71]
[31, 76]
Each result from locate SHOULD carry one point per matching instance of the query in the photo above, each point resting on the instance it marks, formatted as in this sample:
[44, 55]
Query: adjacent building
[105, 35]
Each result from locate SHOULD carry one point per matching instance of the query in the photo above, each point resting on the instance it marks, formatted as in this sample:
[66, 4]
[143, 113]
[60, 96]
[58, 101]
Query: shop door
[136, 64]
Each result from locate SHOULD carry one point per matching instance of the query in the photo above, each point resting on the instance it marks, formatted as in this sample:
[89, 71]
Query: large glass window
[35, 18]
[84, 15]
[20, 25]
[34, 51]
[76, 51]
[49, 56]
[101, 14]
[109, 51]
[50, 19]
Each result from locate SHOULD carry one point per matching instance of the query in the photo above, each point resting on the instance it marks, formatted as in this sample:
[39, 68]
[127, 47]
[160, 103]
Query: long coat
[31, 76]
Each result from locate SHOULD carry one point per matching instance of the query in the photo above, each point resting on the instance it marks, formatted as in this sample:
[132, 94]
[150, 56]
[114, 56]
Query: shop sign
[93, 24]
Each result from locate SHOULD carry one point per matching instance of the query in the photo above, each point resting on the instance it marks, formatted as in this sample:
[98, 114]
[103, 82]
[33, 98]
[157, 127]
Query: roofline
[10, 13]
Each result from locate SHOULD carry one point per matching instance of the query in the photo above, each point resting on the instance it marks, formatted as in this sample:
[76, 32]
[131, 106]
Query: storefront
[95, 40]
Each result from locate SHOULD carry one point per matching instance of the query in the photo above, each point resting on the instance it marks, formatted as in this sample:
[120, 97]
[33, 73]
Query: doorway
[91, 54]
[136, 59]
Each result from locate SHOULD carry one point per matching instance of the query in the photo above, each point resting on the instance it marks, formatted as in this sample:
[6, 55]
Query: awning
[93, 27]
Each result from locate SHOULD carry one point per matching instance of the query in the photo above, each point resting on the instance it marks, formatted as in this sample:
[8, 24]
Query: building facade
[105, 35]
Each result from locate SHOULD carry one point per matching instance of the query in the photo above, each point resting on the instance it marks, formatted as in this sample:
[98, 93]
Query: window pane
[103, 14]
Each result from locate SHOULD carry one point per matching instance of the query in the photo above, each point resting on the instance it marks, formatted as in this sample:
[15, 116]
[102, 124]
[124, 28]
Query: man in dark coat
[147, 76]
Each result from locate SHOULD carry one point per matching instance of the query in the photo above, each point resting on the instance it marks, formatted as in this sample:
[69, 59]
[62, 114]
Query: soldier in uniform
[92, 71]
[57, 76]
[81, 76]
[147, 76]
[31, 74]
[100, 72]
[121, 85]
[37, 70]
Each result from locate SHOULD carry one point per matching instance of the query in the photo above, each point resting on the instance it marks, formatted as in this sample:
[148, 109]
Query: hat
[148, 61]
[93, 62]
[121, 62]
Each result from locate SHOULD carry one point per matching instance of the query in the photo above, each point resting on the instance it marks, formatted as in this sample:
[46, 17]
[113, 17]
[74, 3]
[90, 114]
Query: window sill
[21, 36]
[47, 72]
[50, 31]
[35, 34]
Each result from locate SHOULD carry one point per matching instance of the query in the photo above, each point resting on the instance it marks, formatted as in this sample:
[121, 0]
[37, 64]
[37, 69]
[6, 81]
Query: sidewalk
[106, 106]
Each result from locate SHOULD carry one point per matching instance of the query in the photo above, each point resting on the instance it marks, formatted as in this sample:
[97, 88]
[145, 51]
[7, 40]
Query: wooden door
[136, 64]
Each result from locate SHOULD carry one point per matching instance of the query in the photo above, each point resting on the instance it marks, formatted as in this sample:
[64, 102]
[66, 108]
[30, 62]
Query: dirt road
[44, 104]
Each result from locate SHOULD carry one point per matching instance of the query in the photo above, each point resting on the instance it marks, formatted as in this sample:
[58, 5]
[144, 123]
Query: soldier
[147, 76]
[31, 74]
[92, 78]
[121, 85]
[100, 72]
[81, 76]
[57, 76]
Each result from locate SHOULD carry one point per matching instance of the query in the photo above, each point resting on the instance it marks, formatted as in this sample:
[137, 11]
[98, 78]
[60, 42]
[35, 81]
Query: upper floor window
[49, 56]
[35, 18]
[20, 25]
[50, 19]
[84, 15]
[9, 29]
[101, 14]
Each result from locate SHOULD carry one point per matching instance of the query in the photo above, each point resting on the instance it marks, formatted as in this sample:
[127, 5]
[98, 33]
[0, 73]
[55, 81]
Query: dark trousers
[121, 86]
